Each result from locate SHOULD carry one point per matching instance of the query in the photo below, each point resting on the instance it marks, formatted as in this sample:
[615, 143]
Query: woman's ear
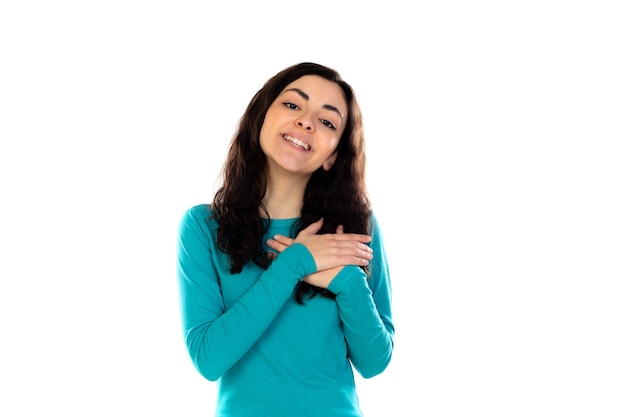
[328, 163]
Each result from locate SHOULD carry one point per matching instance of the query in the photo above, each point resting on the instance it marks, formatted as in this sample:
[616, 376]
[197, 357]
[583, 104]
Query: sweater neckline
[280, 222]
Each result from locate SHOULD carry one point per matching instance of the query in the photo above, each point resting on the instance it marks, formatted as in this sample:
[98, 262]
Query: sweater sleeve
[365, 310]
[216, 337]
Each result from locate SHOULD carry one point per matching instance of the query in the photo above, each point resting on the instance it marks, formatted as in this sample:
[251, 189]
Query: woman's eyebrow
[306, 97]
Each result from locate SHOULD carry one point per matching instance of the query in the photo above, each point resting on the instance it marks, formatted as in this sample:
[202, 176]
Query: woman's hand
[329, 250]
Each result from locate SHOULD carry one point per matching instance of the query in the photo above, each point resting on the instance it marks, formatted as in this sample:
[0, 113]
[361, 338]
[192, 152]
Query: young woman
[284, 283]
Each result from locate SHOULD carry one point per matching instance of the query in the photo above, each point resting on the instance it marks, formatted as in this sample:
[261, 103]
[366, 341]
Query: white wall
[496, 165]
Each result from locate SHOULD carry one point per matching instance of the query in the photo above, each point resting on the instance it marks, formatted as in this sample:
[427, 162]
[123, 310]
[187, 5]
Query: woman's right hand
[329, 250]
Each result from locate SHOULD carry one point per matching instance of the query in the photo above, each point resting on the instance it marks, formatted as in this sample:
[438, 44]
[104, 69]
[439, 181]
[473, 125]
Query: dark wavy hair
[339, 195]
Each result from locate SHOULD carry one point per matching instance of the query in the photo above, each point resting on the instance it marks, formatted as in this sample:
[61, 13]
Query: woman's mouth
[297, 142]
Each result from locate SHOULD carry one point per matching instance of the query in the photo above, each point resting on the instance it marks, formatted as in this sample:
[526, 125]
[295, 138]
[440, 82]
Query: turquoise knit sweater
[271, 356]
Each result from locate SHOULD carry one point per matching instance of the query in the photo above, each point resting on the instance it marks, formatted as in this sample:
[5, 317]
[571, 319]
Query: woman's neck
[283, 198]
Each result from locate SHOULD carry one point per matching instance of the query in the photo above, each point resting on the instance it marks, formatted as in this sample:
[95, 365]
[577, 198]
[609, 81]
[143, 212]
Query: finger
[359, 253]
[350, 237]
[347, 239]
[360, 261]
[349, 245]
[362, 252]
[287, 241]
[341, 260]
[313, 228]
[277, 246]
[340, 229]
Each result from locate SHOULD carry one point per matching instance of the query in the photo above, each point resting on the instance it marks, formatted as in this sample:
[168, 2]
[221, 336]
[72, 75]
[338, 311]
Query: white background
[495, 163]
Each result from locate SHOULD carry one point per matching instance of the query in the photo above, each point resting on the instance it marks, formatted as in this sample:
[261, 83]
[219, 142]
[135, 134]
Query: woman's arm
[216, 337]
[365, 310]
[364, 304]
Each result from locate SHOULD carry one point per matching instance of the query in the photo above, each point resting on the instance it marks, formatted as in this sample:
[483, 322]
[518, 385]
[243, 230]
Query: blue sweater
[271, 356]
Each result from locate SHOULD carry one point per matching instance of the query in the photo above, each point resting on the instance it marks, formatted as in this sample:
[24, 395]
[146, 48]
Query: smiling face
[303, 125]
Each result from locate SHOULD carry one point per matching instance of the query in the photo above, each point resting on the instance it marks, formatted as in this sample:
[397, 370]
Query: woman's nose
[305, 123]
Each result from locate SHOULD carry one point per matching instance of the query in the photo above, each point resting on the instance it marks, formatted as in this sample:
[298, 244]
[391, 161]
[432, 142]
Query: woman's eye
[291, 106]
[328, 124]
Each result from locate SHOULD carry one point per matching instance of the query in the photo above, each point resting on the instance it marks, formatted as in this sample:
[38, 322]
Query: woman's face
[302, 127]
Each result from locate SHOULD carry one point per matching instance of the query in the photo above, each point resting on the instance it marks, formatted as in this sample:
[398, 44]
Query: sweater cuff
[297, 258]
[350, 280]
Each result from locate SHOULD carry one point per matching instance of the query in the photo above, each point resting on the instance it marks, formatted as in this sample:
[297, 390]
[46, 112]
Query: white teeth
[297, 142]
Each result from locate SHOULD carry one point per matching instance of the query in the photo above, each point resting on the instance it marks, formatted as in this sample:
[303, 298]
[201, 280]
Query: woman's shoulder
[375, 226]
[203, 209]
[199, 214]
[374, 219]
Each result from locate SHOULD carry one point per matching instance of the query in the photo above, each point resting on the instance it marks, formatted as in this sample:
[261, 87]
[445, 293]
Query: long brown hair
[339, 195]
